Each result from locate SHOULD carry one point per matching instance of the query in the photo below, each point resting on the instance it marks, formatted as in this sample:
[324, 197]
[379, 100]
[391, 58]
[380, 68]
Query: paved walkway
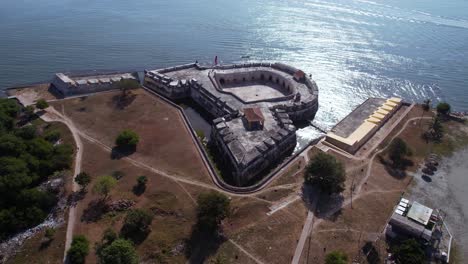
[306, 229]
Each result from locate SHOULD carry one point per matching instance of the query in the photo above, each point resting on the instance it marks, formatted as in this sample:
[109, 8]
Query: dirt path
[307, 228]
[52, 115]
[310, 224]
[245, 252]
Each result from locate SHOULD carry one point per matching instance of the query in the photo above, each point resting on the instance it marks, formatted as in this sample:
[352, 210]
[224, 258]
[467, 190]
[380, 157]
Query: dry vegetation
[166, 144]
[164, 139]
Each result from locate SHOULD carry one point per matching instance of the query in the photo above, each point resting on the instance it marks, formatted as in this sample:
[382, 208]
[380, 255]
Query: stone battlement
[278, 93]
[69, 84]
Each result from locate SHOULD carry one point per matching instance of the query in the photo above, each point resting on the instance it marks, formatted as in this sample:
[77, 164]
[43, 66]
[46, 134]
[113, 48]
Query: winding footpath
[51, 115]
[310, 224]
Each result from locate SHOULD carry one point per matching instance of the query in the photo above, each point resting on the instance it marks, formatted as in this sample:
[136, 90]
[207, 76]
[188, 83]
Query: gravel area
[447, 190]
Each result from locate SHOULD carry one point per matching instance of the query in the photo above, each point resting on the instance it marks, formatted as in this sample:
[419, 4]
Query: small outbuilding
[254, 118]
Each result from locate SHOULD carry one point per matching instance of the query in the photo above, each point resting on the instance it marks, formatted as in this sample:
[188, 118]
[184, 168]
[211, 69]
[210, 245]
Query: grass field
[164, 140]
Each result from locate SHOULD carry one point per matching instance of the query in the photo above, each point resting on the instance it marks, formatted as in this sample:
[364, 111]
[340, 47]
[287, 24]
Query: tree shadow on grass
[396, 171]
[325, 206]
[122, 101]
[95, 210]
[329, 206]
[139, 189]
[371, 253]
[75, 197]
[122, 152]
[136, 237]
[202, 244]
[45, 244]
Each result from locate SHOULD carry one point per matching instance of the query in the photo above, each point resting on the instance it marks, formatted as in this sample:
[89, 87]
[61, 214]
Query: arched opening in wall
[270, 78]
[221, 81]
[283, 84]
[262, 77]
[253, 78]
[289, 88]
[277, 81]
[243, 79]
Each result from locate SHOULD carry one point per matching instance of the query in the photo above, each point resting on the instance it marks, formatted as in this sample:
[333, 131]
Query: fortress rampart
[279, 94]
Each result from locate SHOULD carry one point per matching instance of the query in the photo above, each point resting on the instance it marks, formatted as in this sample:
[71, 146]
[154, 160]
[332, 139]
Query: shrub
[336, 257]
[213, 207]
[83, 179]
[29, 111]
[49, 233]
[398, 150]
[42, 104]
[119, 251]
[104, 185]
[326, 172]
[142, 180]
[52, 136]
[410, 252]
[443, 108]
[79, 250]
[136, 224]
[127, 138]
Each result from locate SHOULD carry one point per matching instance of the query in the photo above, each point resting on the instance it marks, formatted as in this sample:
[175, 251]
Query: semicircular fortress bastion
[254, 108]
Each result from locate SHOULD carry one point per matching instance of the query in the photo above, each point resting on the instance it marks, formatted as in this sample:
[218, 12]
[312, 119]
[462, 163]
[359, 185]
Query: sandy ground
[447, 190]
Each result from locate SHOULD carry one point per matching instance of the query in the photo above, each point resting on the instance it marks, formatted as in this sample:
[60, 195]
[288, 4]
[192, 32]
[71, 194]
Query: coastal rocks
[54, 185]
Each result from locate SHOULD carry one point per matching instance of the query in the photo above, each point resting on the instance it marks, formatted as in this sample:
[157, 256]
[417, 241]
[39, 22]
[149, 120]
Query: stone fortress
[254, 105]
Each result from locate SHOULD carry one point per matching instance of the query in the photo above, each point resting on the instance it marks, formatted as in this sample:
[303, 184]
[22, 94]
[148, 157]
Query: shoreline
[446, 191]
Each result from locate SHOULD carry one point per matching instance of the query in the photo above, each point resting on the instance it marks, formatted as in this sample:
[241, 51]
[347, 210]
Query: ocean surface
[354, 49]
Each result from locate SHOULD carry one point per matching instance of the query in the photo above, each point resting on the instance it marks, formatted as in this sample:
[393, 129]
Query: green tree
[83, 179]
[104, 185]
[79, 250]
[52, 136]
[26, 132]
[10, 145]
[49, 233]
[126, 85]
[426, 105]
[9, 107]
[213, 208]
[127, 138]
[29, 111]
[326, 172]
[336, 257]
[120, 251]
[140, 186]
[398, 150]
[142, 180]
[410, 252]
[435, 130]
[42, 104]
[108, 237]
[14, 174]
[443, 108]
[136, 224]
